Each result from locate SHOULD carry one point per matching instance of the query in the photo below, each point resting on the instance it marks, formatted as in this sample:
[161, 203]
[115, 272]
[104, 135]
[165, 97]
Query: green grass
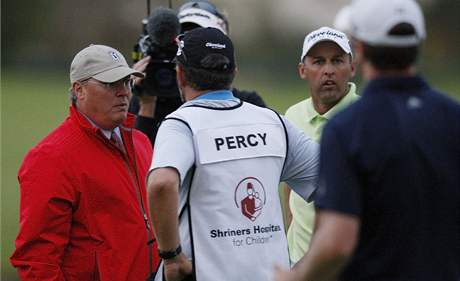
[32, 105]
[35, 103]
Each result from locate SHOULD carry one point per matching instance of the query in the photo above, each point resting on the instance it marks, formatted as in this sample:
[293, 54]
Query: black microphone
[163, 26]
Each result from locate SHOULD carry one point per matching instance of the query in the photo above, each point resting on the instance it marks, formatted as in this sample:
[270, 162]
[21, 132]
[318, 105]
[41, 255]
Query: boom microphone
[163, 26]
[157, 41]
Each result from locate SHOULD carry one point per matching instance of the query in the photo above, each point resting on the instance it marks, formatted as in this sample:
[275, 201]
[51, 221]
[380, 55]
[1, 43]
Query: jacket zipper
[135, 180]
[144, 215]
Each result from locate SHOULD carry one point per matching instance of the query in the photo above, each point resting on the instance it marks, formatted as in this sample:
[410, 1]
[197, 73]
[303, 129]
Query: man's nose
[329, 69]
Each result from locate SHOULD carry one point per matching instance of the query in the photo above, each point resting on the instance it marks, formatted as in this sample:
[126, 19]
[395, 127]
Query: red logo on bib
[250, 197]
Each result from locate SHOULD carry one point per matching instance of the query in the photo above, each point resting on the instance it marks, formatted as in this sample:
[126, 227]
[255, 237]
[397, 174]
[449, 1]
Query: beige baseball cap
[102, 63]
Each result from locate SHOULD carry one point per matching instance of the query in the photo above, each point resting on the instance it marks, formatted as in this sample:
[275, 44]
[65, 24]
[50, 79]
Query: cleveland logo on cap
[322, 33]
[215, 45]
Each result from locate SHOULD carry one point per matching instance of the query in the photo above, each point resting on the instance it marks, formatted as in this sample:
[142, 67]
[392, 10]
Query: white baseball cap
[325, 34]
[372, 21]
[342, 19]
[102, 63]
[202, 18]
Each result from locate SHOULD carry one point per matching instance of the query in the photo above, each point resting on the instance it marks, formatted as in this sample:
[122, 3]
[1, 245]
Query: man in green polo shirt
[327, 65]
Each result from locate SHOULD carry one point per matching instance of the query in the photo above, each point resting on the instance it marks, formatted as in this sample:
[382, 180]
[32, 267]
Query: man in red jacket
[83, 213]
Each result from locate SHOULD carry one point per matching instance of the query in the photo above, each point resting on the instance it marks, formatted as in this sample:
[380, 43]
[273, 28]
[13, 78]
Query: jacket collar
[127, 125]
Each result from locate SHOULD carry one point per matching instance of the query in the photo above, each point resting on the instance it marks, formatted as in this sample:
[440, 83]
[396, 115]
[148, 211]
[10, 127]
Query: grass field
[31, 107]
[32, 104]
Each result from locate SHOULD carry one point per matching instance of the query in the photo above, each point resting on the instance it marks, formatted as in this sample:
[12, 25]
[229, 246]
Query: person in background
[83, 209]
[388, 204]
[192, 14]
[326, 64]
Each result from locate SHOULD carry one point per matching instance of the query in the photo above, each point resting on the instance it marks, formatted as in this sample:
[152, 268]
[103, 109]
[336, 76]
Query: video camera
[157, 41]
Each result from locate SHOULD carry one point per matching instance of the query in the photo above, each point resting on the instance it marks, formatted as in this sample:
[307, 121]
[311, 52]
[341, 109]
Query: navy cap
[195, 46]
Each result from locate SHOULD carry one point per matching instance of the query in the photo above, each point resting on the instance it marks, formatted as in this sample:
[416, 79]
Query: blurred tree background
[40, 38]
[44, 35]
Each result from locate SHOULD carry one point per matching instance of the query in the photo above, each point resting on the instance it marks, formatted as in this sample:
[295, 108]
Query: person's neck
[92, 121]
[370, 72]
[322, 108]
[191, 94]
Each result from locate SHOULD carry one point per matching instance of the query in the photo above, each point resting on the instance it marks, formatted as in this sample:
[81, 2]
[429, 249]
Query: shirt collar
[216, 95]
[395, 84]
[345, 101]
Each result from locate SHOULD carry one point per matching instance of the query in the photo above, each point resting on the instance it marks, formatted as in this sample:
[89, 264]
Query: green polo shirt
[304, 117]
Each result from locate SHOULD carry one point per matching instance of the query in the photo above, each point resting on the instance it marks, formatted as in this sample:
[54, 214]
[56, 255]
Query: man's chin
[329, 97]
[120, 118]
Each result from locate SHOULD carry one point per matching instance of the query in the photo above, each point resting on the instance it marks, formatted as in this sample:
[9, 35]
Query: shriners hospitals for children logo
[250, 197]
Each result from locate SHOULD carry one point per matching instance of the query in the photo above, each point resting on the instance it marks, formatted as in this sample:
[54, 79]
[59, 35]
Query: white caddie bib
[233, 213]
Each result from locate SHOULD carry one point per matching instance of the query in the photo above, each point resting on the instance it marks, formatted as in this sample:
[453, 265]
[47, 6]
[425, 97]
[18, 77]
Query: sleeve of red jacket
[46, 202]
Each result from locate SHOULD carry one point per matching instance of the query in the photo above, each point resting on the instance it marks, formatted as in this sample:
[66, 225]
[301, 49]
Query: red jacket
[80, 212]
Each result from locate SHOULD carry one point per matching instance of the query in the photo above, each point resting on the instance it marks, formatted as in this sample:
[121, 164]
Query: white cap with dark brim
[102, 63]
[372, 21]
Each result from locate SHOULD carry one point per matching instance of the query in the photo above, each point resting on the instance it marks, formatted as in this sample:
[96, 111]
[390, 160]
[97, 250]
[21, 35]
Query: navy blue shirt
[392, 159]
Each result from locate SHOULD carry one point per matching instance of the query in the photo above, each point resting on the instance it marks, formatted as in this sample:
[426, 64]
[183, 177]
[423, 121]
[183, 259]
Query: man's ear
[77, 89]
[180, 77]
[302, 70]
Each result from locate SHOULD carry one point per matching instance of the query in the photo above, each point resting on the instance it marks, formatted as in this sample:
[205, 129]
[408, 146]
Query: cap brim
[116, 74]
[202, 22]
[344, 48]
[200, 17]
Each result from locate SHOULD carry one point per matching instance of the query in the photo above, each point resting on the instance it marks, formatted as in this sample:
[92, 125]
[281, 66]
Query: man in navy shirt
[389, 203]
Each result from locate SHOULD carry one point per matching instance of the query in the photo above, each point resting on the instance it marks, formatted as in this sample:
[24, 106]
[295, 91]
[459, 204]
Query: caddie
[213, 184]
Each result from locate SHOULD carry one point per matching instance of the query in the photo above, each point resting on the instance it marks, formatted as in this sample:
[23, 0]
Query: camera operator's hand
[147, 103]
[140, 66]
[177, 268]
